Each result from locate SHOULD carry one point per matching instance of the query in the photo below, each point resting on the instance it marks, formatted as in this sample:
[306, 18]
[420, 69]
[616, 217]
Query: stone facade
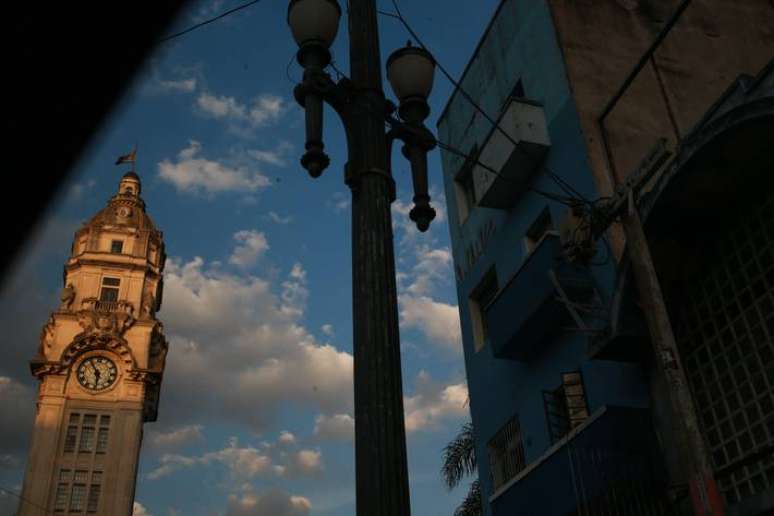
[100, 364]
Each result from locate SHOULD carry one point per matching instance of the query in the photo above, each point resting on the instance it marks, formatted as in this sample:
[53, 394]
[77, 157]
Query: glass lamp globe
[314, 21]
[410, 71]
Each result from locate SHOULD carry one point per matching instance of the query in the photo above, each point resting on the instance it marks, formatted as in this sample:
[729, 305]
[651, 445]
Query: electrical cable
[206, 22]
[20, 497]
[470, 99]
[287, 71]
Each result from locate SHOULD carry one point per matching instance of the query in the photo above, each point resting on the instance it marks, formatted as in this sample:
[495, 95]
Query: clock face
[97, 373]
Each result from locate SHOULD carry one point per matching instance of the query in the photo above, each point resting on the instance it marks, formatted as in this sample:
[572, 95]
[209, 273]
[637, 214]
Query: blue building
[571, 415]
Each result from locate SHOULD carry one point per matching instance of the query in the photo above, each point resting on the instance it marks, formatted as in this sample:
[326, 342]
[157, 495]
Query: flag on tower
[127, 158]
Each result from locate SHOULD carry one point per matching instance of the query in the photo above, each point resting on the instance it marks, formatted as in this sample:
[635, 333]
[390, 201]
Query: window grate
[565, 406]
[726, 336]
[506, 453]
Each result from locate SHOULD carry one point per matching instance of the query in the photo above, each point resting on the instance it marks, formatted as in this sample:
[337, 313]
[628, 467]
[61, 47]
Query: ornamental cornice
[147, 266]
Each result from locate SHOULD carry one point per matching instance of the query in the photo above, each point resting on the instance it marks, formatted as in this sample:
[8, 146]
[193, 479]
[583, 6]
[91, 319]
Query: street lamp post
[380, 436]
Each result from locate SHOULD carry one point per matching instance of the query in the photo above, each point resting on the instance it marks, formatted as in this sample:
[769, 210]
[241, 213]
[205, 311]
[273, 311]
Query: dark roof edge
[470, 61]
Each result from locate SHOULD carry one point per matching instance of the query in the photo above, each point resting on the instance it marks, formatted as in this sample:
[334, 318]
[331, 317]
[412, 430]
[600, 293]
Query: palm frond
[471, 505]
[459, 457]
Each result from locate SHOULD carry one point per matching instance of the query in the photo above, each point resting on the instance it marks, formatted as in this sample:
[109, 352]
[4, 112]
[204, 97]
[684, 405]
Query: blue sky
[255, 414]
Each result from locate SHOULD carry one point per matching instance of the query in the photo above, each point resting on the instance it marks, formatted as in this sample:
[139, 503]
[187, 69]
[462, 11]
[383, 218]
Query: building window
[84, 431]
[506, 453]
[77, 498]
[94, 493]
[541, 227]
[71, 438]
[117, 246]
[481, 296]
[102, 435]
[565, 406]
[463, 184]
[109, 292]
[60, 502]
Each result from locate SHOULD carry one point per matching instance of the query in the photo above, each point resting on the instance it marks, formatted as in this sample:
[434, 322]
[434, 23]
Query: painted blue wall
[520, 44]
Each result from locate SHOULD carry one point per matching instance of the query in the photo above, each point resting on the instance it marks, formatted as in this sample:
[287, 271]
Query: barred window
[96, 477]
[93, 501]
[87, 439]
[77, 498]
[109, 291]
[81, 476]
[102, 440]
[506, 453]
[70, 438]
[64, 475]
[565, 406]
[60, 504]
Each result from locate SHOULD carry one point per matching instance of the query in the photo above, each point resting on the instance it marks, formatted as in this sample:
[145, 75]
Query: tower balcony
[606, 465]
[524, 122]
[530, 305]
[120, 306]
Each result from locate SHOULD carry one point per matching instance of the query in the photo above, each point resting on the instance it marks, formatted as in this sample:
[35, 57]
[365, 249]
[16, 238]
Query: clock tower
[100, 363]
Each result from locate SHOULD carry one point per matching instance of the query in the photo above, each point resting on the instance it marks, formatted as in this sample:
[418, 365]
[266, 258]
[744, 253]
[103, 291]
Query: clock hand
[96, 372]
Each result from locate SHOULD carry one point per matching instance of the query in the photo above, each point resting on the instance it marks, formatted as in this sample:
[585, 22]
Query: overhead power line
[554, 177]
[206, 22]
[20, 497]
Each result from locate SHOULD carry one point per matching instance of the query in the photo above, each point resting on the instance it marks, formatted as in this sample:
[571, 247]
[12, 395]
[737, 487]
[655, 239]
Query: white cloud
[235, 345]
[274, 156]
[194, 173]
[338, 427]
[286, 437]
[178, 437]
[252, 245]
[274, 502]
[307, 462]
[264, 110]
[438, 321]
[182, 86]
[279, 219]
[433, 266]
[434, 403]
[220, 106]
[139, 510]
[282, 458]
[327, 329]
[244, 463]
[340, 202]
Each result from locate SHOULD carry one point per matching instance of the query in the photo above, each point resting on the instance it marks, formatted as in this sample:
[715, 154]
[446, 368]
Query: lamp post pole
[380, 436]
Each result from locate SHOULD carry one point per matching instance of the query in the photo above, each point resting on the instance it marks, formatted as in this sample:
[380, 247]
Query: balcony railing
[106, 306]
[607, 465]
[120, 306]
[525, 123]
